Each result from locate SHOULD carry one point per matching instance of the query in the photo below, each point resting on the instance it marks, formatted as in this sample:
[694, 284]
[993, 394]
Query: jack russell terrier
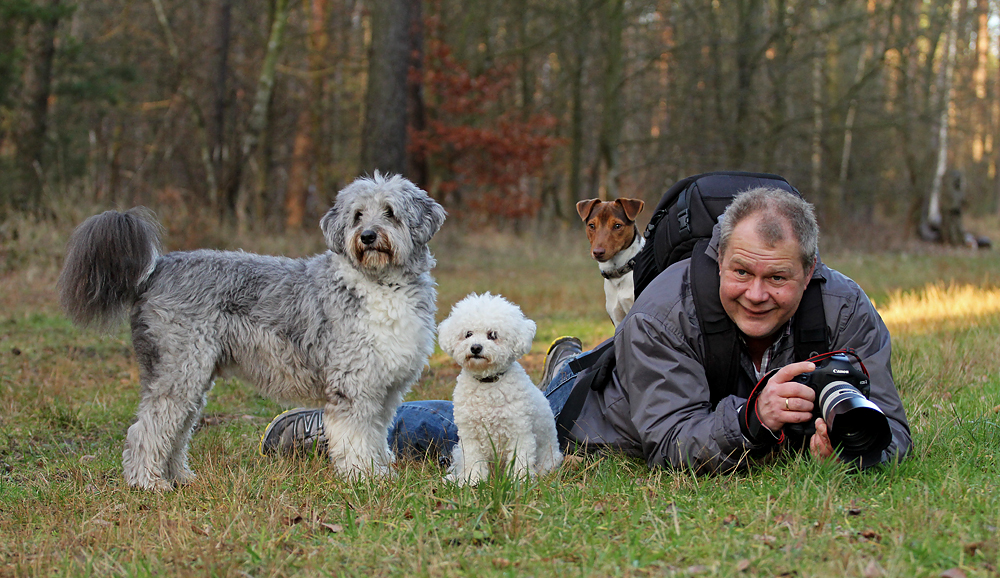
[614, 241]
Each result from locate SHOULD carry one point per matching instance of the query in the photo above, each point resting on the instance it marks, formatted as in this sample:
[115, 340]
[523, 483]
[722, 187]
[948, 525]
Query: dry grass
[938, 305]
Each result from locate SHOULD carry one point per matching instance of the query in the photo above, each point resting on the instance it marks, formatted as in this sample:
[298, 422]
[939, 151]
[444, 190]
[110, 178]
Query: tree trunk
[578, 43]
[38, 88]
[944, 100]
[383, 135]
[865, 54]
[611, 109]
[816, 146]
[417, 169]
[220, 97]
[257, 121]
[746, 68]
[303, 150]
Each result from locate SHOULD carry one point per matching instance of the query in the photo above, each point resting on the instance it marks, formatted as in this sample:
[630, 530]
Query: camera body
[856, 426]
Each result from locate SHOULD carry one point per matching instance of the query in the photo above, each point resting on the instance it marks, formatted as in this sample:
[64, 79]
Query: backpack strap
[593, 372]
[809, 326]
[720, 334]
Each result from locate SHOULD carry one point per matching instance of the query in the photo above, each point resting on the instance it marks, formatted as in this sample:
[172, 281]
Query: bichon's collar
[491, 378]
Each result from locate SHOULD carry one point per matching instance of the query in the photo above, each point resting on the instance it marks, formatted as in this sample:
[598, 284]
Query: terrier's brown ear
[585, 206]
[632, 207]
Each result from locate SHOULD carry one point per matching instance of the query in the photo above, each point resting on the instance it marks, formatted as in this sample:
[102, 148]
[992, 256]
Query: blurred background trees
[255, 112]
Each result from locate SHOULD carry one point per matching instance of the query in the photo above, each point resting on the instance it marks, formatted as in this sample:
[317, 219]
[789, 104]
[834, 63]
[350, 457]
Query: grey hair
[777, 209]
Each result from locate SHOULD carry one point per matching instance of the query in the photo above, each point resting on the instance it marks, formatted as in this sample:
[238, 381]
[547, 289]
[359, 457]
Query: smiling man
[658, 402]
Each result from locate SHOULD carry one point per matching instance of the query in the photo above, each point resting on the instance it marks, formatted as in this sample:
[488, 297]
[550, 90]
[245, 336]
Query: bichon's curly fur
[502, 417]
[350, 329]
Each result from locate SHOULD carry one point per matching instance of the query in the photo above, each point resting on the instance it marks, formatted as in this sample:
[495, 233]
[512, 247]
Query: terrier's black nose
[368, 236]
[476, 349]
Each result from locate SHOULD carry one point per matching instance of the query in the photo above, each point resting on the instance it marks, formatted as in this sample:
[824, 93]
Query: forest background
[254, 113]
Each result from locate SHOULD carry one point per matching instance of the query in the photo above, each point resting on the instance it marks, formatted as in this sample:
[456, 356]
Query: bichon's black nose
[368, 236]
[476, 349]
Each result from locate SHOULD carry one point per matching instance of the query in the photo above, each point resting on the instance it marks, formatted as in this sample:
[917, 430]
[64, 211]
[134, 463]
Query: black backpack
[681, 227]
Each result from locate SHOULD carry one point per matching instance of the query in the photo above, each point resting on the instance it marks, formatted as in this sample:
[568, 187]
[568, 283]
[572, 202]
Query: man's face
[761, 285]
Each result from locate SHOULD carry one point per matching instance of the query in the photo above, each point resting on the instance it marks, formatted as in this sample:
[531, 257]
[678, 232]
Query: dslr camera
[856, 426]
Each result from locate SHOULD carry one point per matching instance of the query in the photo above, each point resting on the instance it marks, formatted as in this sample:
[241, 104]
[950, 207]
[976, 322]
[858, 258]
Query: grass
[67, 397]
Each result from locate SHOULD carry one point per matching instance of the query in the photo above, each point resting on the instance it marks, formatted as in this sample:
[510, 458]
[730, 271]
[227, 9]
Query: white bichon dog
[502, 417]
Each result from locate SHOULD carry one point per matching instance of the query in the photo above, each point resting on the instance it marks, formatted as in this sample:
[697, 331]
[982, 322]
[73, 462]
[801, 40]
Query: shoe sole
[270, 428]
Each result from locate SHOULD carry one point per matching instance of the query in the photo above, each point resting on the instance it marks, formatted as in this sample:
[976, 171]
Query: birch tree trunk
[944, 99]
[257, 121]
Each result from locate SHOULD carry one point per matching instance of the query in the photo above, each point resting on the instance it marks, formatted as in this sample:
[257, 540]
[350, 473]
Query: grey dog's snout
[476, 349]
[368, 236]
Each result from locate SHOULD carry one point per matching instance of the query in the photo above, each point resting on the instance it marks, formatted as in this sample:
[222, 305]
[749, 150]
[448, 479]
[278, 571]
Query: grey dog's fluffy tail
[108, 257]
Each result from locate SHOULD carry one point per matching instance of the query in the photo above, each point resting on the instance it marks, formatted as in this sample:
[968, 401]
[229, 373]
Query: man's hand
[783, 401]
[820, 446]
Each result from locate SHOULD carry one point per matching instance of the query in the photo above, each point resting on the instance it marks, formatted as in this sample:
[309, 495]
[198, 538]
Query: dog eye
[389, 214]
[468, 334]
[618, 226]
[357, 217]
[591, 226]
[491, 335]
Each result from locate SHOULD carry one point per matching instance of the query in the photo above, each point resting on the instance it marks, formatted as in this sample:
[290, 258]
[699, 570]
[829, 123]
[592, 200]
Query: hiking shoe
[560, 350]
[297, 430]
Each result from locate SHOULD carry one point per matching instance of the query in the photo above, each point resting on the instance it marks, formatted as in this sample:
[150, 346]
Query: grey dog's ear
[428, 219]
[333, 234]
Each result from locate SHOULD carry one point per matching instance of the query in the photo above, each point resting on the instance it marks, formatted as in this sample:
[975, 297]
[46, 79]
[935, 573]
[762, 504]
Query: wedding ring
[786, 404]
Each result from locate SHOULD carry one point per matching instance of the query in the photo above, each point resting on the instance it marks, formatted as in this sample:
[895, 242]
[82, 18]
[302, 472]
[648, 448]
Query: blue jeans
[428, 427]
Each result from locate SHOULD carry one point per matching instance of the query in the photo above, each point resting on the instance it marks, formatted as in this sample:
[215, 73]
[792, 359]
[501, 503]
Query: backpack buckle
[684, 220]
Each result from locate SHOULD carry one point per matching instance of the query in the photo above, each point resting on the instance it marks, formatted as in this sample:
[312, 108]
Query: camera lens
[856, 425]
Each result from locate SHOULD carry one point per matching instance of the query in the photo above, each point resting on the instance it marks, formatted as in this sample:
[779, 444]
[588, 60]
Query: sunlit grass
[938, 305]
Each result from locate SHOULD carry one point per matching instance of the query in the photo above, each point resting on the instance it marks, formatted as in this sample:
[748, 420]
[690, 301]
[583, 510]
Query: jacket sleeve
[667, 390]
[857, 325]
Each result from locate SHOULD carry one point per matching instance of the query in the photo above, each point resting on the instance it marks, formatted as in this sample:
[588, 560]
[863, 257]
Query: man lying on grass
[656, 401]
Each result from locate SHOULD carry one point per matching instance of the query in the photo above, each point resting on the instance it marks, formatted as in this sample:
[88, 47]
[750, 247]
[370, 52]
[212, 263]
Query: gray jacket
[657, 405]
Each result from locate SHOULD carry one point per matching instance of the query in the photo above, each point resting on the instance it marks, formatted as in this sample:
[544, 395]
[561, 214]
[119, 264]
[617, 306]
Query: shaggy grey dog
[350, 329]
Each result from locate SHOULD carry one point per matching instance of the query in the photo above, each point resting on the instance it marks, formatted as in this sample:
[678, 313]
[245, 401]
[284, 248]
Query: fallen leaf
[871, 535]
[953, 573]
[743, 565]
[501, 563]
[873, 570]
[198, 530]
[731, 520]
[854, 512]
[291, 520]
[335, 528]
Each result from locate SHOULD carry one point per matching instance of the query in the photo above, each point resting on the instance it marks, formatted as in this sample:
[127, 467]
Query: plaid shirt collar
[769, 354]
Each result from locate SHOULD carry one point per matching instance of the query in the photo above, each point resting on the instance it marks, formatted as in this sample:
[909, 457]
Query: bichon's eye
[468, 334]
[389, 214]
[491, 335]
[357, 217]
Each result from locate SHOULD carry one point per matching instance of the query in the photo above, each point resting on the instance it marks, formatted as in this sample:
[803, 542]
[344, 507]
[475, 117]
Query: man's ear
[812, 269]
